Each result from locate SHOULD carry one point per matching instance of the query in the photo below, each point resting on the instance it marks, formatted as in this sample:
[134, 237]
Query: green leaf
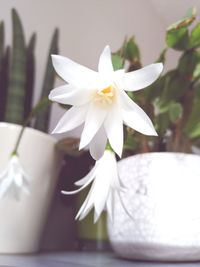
[30, 75]
[178, 38]
[155, 90]
[196, 72]
[162, 123]
[192, 127]
[161, 107]
[162, 56]
[42, 121]
[175, 86]
[195, 36]
[117, 61]
[186, 21]
[17, 74]
[175, 111]
[132, 50]
[187, 63]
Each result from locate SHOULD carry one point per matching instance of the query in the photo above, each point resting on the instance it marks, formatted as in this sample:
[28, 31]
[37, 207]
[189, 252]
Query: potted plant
[162, 174]
[28, 176]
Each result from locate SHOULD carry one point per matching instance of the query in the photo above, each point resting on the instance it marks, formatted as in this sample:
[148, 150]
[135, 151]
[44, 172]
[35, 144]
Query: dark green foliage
[30, 76]
[17, 75]
[42, 121]
[173, 101]
[2, 89]
[4, 78]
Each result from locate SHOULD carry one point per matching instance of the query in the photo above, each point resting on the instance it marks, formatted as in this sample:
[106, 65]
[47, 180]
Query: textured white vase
[163, 198]
[22, 221]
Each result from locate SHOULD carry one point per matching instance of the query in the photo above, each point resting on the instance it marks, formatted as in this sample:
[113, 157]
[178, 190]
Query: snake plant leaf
[17, 77]
[2, 39]
[30, 75]
[195, 36]
[2, 88]
[175, 111]
[4, 74]
[42, 121]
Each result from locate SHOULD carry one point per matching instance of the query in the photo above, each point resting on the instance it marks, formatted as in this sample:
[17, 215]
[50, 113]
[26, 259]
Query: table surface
[79, 259]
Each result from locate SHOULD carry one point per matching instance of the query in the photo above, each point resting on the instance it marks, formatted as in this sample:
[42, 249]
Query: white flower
[105, 180]
[13, 179]
[100, 103]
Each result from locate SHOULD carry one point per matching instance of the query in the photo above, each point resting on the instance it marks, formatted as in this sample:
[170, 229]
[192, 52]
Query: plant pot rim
[160, 154]
[35, 131]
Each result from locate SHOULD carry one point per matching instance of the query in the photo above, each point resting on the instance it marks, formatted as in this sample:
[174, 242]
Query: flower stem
[35, 111]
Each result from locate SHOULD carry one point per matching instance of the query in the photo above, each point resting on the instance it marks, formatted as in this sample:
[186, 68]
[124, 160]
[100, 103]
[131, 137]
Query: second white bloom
[105, 181]
[100, 102]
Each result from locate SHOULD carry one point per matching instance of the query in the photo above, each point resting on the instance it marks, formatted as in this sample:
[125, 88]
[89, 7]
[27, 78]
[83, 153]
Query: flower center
[105, 96]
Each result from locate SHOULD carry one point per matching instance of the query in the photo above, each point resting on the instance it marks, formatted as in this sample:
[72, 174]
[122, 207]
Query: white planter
[163, 197]
[22, 222]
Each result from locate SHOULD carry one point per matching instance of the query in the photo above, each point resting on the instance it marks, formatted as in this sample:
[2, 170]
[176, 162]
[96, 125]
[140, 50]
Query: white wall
[86, 26]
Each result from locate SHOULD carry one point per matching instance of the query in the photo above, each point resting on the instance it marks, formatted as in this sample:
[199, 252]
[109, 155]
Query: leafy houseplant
[23, 170]
[163, 224]
[173, 101]
[17, 65]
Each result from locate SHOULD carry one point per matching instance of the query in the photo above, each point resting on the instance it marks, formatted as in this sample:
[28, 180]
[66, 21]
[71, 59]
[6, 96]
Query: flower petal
[88, 177]
[98, 144]
[73, 118]
[114, 129]
[70, 95]
[105, 63]
[142, 78]
[102, 187]
[85, 181]
[135, 117]
[87, 205]
[94, 119]
[73, 72]
[4, 186]
[109, 206]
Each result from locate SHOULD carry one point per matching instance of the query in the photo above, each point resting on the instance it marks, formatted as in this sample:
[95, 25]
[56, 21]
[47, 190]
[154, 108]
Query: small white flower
[13, 180]
[105, 181]
[100, 102]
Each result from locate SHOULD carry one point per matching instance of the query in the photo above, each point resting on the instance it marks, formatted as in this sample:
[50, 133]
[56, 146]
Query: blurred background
[85, 27]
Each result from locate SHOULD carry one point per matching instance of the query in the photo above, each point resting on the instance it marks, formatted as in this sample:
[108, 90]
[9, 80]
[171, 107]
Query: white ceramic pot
[22, 221]
[163, 198]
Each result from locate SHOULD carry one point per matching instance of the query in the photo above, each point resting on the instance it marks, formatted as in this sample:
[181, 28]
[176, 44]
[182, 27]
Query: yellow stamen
[105, 96]
[107, 90]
